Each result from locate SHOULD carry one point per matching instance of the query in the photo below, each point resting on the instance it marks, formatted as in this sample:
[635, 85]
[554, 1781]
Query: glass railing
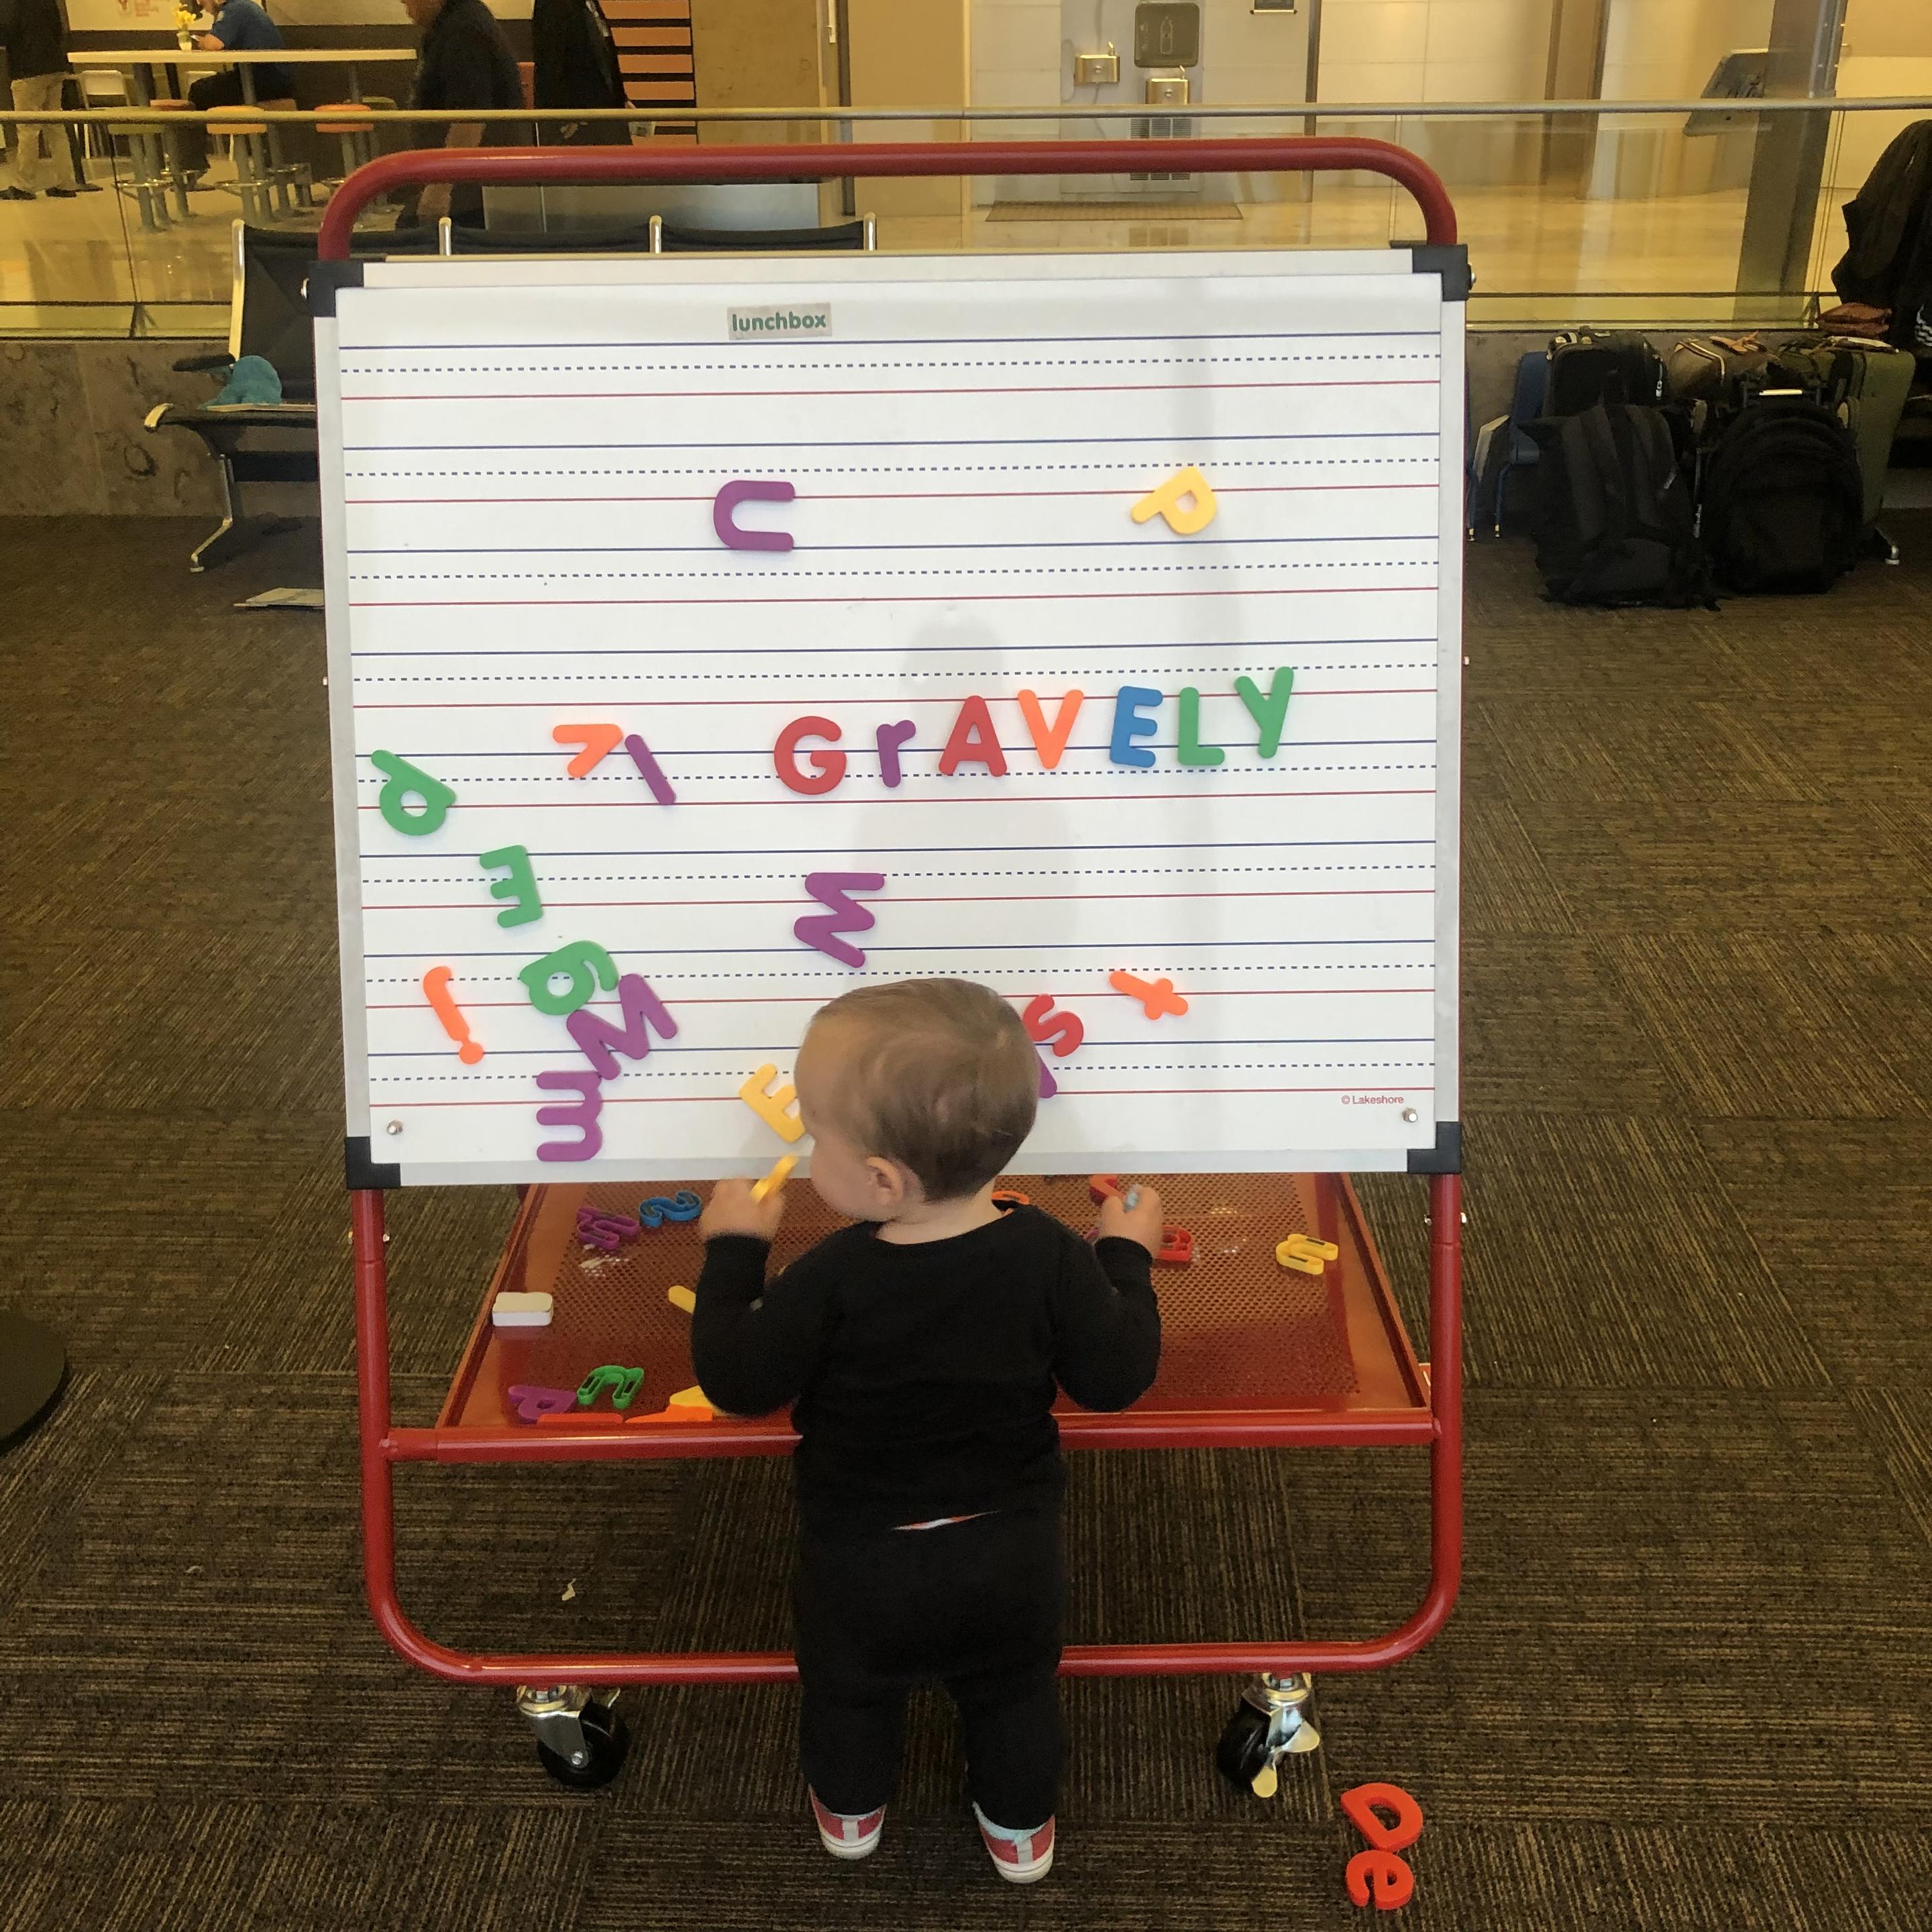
[1677, 214]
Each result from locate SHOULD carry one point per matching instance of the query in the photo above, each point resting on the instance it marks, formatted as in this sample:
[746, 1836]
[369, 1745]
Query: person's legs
[847, 1598]
[1009, 1592]
[1010, 1724]
[211, 90]
[33, 168]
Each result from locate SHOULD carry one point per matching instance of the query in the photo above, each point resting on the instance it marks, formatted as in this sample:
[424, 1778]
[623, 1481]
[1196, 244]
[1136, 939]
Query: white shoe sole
[840, 1848]
[1025, 1874]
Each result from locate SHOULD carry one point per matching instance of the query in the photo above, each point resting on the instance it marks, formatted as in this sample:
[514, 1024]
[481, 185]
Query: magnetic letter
[1166, 501]
[435, 990]
[1269, 712]
[973, 741]
[1061, 1031]
[583, 1117]
[1049, 744]
[520, 888]
[622, 1383]
[774, 1108]
[890, 737]
[1156, 999]
[602, 1042]
[830, 765]
[532, 1401]
[821, 929]
[1193, 751]
[682, 1206]
[1361, 1803]
[1384, 1874]
[727, 500]
[596, 739]
[401, 780]
[589, 967]
[1048, 1086]
[653, 773]
[1131, 704]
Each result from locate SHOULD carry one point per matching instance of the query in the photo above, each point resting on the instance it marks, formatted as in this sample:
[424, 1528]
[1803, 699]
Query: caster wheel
[1242, 1755]
[608, 1741]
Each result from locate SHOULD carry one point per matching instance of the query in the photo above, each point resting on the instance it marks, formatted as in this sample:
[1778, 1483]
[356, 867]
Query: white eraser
[521, 1311]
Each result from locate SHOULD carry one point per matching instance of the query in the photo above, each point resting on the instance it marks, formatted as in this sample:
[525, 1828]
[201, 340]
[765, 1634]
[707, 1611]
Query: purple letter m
[642, 1010]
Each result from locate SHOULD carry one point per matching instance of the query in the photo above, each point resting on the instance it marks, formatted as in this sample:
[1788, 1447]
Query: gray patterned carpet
[1689, 1682]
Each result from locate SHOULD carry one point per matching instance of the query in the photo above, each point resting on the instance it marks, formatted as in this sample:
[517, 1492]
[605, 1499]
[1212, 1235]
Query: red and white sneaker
[846, 1834]
[1019, 1856]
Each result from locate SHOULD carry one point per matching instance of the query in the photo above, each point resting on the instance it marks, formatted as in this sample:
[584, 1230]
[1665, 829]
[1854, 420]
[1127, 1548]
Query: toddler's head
[918, 1092]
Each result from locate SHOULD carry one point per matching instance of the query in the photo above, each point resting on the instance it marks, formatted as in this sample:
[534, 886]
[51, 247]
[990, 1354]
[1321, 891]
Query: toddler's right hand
[732, 1211]
[1140, 1223]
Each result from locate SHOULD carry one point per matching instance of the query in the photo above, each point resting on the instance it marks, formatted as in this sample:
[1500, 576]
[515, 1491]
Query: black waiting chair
[268, 316]
[275, 443]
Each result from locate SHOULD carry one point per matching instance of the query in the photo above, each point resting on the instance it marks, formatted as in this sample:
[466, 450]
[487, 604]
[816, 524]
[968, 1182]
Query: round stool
[289, 179]
[248, 139]
[155, 160]
[357, 137]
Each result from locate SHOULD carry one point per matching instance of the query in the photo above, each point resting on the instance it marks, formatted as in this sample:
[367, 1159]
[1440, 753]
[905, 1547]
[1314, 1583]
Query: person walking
[35, 34]
[465, 61]
[576, 62]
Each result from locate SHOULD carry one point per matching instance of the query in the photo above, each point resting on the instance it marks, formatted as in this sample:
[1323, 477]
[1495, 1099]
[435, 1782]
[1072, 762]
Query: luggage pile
[1737, 465]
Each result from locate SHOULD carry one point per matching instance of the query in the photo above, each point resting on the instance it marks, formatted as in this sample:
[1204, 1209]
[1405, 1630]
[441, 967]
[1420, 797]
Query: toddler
[922, 1350]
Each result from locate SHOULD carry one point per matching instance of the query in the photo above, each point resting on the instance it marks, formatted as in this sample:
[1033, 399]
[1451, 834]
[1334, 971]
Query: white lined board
[519, 473]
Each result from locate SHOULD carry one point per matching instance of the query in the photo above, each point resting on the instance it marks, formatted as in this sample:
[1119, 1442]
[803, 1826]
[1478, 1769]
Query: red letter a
[973, 741]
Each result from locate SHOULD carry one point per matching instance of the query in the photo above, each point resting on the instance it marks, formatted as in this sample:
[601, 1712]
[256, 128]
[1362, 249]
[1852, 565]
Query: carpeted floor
[1689, 1682]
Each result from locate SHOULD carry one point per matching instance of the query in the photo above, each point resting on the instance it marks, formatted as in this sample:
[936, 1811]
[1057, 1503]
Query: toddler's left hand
[731, 1211]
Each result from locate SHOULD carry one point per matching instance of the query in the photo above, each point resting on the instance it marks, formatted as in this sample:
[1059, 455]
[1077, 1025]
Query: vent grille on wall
[1163, 127]
[654, 58]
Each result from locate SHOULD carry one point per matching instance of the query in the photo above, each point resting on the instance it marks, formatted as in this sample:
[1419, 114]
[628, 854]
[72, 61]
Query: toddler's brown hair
[941, 1077]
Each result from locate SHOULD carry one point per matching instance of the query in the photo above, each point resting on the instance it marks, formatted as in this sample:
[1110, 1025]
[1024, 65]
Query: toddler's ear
[893, 1188]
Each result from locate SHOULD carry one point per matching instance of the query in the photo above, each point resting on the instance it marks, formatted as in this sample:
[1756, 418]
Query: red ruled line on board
[990, 798]
[903, 495]
[818, 999]
[936, 898]
[840, 395]
[731, 1100]
[959, 597]
[793, 703]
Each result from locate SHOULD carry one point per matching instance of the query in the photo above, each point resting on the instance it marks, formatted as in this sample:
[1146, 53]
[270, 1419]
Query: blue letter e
[1132, 702]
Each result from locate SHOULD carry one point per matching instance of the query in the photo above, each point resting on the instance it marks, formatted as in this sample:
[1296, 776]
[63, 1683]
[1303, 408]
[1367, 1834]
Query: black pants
[211, 90]
[977, 1605]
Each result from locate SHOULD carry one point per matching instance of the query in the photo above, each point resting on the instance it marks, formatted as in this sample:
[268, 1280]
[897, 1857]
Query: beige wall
[1424, 50]
[759, 53]
[1664, 50]
[910, 53]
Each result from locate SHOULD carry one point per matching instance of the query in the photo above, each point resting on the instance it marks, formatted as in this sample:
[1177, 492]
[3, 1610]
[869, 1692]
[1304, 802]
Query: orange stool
[357, 137]
[248, 145]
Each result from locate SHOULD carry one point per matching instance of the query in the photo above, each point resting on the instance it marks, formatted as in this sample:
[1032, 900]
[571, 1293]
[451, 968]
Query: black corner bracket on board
[1449, 259]
[325, 278]
[359, 1171]
[1445, 1157]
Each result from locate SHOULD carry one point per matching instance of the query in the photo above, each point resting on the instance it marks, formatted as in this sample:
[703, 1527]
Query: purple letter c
[727, 500]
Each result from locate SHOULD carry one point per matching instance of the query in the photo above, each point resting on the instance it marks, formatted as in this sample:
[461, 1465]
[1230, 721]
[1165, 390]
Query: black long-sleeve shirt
[922, 1377]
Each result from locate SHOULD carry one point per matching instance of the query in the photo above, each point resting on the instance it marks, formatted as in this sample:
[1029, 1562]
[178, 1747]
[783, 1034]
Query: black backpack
[1783, 505]
[1618, 525]
[1585, 369]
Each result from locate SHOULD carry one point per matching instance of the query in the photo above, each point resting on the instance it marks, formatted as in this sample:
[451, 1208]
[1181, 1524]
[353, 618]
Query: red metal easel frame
[383, 1445]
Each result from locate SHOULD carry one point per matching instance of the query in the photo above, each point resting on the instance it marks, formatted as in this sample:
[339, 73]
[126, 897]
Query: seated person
[240, 26]
[465, 62]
